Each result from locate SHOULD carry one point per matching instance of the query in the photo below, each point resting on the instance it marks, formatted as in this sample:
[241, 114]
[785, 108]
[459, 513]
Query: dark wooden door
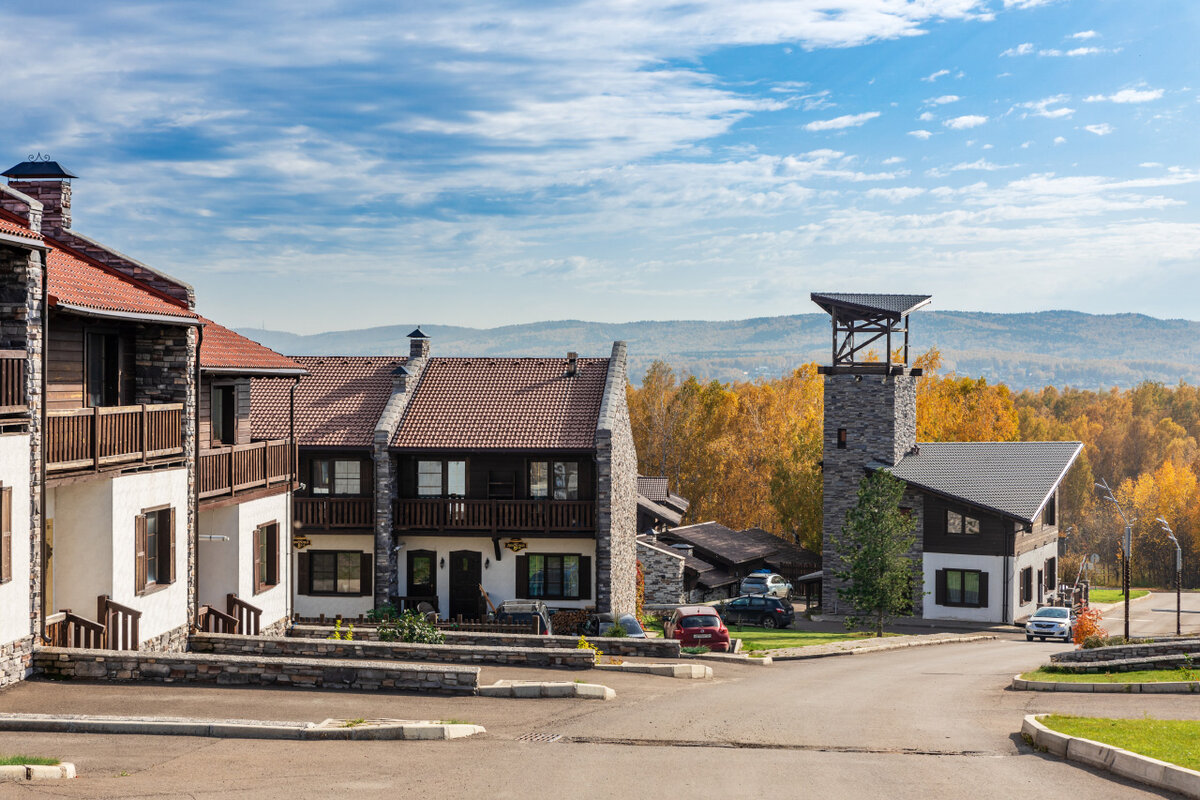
[465, 577]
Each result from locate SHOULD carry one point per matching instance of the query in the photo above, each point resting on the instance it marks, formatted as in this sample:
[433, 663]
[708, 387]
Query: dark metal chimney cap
[38, 168]
[417, 333]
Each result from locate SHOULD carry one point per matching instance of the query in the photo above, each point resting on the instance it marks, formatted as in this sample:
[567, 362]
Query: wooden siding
[66, 360]
[480, 468]
[990, 541]
[241, 418]
[367, 469]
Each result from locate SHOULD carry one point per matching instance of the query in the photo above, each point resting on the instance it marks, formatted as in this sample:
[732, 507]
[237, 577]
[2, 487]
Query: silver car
[1050, 623]
[769, 583]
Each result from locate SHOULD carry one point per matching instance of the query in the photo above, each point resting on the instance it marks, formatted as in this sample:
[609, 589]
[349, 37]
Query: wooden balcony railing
[331, 513]
[210, 620]
[13, 399]
[96, 437]
[116, 630]
[494, 515]
[248, 617]
[229, 470]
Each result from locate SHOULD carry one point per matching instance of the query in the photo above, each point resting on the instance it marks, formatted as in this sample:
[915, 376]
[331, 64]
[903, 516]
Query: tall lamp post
[1178, 576]
[1126, 546]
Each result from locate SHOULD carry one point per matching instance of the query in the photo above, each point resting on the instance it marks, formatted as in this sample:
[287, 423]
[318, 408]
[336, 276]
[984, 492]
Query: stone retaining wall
[128, 665]
[1128, 651]
[1171, 661]
[16, 660]
[649, 648]
[233, 644]
[172, 641]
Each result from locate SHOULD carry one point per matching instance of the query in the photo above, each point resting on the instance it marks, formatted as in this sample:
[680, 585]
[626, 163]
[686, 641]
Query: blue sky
[319, 165]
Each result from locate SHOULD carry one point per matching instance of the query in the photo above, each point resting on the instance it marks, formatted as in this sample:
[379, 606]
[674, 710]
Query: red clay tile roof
[504, 404]
[14, 226]
[337, 404]
[75, 279]
[224, 349]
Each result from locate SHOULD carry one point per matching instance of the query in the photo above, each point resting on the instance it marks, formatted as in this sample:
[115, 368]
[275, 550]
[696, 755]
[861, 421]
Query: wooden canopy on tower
[860, 320]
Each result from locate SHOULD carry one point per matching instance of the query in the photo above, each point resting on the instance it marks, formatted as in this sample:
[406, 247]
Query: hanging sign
[516, 545]
[301, 542]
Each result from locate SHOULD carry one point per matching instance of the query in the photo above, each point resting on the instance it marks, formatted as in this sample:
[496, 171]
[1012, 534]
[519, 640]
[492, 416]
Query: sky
[316, 165]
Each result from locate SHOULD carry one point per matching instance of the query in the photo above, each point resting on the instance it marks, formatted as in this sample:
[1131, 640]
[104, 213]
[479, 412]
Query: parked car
[698, 626]
[525, 612]
[758, 609]
[1051, 622]
[599, 624]
[770, 583]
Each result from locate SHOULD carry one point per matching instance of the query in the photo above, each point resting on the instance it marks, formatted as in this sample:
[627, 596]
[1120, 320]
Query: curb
[1132, 766]
[1165, 687]
[685, 671]
[536, 689]
[735, 658]
[34, 772]
[330, 729]
[1104, 608]
[851, 651]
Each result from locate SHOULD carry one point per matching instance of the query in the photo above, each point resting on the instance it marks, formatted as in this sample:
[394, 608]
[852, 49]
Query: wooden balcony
[226, 471]
[92, 438]
[495, 516]
[13, 399]
[334, 513]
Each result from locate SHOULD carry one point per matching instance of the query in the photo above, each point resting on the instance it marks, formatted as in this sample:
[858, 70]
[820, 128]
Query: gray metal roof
[38, 168]
[1012, 478]
[897, 305]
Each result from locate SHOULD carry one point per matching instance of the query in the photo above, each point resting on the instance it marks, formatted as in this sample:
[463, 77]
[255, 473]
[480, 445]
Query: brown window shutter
[585, 577]
[139, 553]
[523, 577]
[303, 580]
[983, 590]
[166, 547]
[272, 534]
[367, 573]
[258, 565]
[939, 587]
[6, 557]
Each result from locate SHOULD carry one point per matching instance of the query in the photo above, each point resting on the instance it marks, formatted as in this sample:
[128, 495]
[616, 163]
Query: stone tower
[870, 406]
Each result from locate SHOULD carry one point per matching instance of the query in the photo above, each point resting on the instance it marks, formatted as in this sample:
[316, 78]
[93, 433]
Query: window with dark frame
[1048, 516]
[224, 414]
[960, 524]
[841, 439]
[103, 369]
[557, 479]
[335, 572]
[441, 478]
[154, 547]
[337, 476]
[1026, 585]
[554, 576]
[966, 588]
[266, 556]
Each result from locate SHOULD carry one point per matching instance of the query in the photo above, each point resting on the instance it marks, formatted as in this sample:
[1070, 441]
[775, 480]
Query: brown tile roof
[75, 279]
[337, 404]
[14, 226]
[504, 404]
[224, 349]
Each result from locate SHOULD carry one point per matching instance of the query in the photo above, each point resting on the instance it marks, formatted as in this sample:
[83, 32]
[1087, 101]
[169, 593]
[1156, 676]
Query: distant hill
[1047, 348]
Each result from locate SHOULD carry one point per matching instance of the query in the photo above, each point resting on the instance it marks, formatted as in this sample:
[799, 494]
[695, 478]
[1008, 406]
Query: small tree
[877, 575]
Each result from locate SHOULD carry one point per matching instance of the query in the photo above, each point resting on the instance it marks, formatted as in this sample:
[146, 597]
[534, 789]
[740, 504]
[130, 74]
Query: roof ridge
[92, 262]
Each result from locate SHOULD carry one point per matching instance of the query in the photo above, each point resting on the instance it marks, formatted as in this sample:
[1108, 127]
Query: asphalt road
[918, 723]
[1155, 615]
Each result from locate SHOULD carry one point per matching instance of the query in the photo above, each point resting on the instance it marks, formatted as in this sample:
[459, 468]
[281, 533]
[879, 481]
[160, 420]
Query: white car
[768, 583]
[1051, 622]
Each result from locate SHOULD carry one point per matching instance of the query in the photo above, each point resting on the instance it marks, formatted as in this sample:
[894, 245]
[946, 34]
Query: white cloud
[1150, 165]
[920, 134]
[1019, 4]
[1020, 50]
[1101, 129]
[1025, 145]
[981, 164]
[894, 160]
[943, 100]
[965, 121]
[1041, 108]
[1084, 35]
[1077, 51]
[935, 75]
[926, 116]
[1127, 96]
[838, 123]
[1060, 140]
[896, 194]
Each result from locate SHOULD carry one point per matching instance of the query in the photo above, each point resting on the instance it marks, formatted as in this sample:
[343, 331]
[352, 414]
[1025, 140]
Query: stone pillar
[616, 494]
[55, 197]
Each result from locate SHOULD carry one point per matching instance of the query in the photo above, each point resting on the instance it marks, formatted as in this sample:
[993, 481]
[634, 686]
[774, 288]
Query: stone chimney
[686, 549]
[400, 377]
[49, 183]
[418, 344]
[23, 206]
[572, 364]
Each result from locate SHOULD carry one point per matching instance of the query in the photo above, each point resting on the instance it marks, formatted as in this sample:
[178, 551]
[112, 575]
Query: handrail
[80, 632]
[13, 398]
[247, 616]
[120, 621]
[442, 514]
[210, 620]
[236, 468]
[101, 435]
[330, 513]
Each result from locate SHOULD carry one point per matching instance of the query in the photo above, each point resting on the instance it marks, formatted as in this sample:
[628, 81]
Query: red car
[698, 626]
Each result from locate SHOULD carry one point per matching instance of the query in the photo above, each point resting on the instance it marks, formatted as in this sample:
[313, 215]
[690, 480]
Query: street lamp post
[1126, 548]
[1178, 577]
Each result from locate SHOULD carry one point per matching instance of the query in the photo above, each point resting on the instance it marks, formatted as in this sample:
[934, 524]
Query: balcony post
[232, 491]
[96, 438]
[145, 426]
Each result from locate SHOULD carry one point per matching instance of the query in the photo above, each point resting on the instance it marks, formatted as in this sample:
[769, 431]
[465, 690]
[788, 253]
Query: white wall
[82, 517]
[992, 565]
[14, 595]
[307, 606]
[500, 577]
[272, 601]
[1037, 560]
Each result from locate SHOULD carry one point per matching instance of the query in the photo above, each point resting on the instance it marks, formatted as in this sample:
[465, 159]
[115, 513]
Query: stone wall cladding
[650, 648]
[616, 494]
[225, 644]
[1133, 663]
[663, 572]
[172, 641]
[880, 418]
[1127, 651]
[134, 665]
[277, 628]
[16, 661]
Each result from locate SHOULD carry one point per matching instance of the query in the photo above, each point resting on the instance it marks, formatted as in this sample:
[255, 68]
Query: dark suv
[758, 609]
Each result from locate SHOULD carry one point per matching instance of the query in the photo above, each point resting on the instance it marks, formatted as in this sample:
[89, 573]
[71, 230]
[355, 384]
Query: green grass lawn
[1114, 595]
[39, 761]
[1138, 676]
[1173, 740]
[775, 639]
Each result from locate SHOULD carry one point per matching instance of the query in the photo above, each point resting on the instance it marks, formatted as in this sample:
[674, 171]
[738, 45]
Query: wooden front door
[465, 577]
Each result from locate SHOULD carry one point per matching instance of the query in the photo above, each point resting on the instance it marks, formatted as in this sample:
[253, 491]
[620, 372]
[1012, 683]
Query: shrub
[1087, 625]
[410, 627]
[584, 644]
[616, 632]
[338, 633]
[694, 651]
[384, 612]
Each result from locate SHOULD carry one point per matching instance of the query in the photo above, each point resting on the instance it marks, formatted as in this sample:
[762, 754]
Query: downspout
[294, 456]
[1008, 548]
[196, 480]
[45, 559]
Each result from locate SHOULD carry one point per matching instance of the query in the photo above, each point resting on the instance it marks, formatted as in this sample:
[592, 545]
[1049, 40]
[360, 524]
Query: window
[1048, 516]
[961, 587]
[961, 524]
[321, 480]
[1051, 572]
[421, 574]
[554, 577]
[539, 480]
[6, 556]
[560, 476]
[337, 476]
[841, 439]
[103, 369]
[441, 479]
[1026, 585]
[335, 572]
[566, 480]
[266, 556]
[224, 415]
[154, 546]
